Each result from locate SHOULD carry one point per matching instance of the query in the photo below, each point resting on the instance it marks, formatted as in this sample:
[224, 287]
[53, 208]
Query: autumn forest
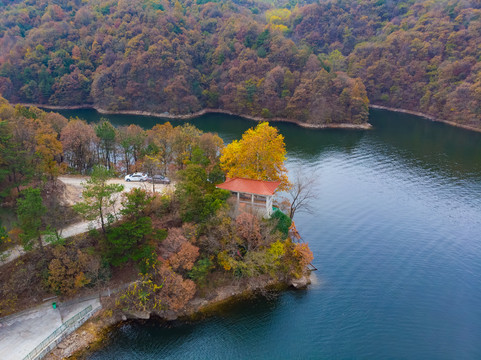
[178, 241]
[317, 63]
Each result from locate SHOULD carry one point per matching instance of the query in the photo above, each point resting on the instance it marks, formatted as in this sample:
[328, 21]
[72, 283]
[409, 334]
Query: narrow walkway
[22, 332]
[74, 229]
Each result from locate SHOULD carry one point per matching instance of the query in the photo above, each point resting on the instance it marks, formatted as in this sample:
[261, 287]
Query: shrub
[200, 270]
[283, 221]
[71, 269]
[248, 228]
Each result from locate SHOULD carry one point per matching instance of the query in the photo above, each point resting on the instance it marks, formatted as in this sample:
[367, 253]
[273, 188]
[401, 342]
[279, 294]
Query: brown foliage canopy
[178, 252]
[176, 291]
[183, 56]
[169, 57]
[69, 268]
[79, 141]
[248, 228]
[185, 258]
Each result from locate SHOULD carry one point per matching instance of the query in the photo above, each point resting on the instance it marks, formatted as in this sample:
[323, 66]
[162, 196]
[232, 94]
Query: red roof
[257, 187]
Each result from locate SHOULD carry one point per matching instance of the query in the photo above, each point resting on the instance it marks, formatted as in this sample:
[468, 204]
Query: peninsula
[169, 247]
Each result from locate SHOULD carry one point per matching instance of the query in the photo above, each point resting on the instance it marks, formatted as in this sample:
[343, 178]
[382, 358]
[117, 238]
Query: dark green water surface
[396, 235]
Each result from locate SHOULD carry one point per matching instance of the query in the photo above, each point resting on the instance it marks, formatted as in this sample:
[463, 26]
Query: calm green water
[396, 235]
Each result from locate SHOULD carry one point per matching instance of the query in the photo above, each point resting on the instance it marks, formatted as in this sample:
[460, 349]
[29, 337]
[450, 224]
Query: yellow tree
[48, 149]
[259, 155]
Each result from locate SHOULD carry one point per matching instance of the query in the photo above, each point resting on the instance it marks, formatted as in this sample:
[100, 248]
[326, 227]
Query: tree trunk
[15, 181]
[40, 245]
[107, 158]
[127, 163]
[102, 219]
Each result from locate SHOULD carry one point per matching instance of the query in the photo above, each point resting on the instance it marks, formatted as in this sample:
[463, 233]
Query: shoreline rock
[365, 126]
[300, 283]
[166, 115]
[89, 337]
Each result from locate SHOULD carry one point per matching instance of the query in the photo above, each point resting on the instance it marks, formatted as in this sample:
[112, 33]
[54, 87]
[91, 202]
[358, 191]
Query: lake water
[396, 235]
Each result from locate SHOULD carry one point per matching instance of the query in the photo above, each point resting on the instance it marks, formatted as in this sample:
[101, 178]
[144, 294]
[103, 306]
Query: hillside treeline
[177, 57]
[311, 62]
[37, 146]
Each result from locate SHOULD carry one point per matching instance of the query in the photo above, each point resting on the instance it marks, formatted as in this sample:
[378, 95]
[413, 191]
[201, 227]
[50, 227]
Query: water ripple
[396, 235]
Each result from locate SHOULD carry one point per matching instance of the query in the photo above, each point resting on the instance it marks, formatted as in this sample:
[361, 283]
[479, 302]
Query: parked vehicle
[159, 179]
[136, 177]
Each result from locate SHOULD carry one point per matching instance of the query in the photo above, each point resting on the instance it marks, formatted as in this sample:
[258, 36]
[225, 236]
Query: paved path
[74, 229]
[22, 332]
[82, 227]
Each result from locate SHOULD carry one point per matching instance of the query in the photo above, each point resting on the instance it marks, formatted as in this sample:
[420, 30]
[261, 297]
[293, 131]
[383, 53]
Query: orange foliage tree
[303, 255]
[184, 258]
[79, 141]
[176, 291]
[178, 252]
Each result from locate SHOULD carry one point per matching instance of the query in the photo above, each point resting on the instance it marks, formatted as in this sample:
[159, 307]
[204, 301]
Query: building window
[259, 198]
[245, 197]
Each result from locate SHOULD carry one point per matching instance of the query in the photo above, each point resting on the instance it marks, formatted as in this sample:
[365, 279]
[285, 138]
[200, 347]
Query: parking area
[74, 185]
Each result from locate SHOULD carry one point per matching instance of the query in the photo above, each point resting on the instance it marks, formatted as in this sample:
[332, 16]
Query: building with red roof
[254, 195]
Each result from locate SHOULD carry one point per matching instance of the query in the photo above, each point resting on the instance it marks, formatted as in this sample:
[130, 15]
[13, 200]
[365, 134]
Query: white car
[136, 177]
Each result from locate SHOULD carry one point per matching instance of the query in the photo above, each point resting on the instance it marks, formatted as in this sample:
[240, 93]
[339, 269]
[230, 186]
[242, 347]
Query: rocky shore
[93, 333]
[166, 115]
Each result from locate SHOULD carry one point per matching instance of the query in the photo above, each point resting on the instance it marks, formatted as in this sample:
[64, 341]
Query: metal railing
[39, 350]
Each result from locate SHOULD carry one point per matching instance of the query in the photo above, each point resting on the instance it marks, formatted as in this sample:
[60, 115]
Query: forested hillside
[309, 62]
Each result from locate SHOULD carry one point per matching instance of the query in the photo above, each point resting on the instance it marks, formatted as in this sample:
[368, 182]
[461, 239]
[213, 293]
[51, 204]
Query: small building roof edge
[250, 186]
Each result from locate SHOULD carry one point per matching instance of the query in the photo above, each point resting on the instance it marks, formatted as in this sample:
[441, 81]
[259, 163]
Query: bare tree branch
[302, 192]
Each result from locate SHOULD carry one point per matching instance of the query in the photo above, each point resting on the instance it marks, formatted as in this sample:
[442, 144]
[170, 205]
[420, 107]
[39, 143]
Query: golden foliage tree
[48, 149]
[259, 155]
[68, 268]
